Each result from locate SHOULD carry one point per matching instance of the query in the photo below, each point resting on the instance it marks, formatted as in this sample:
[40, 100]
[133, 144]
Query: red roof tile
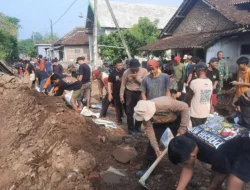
[187, 41]
[78, 36]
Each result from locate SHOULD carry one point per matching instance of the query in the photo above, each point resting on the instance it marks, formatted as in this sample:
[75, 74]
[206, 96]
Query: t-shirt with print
[213, 75]
[84, 70]
[115, 78]
[155, 87]
[220, 144]
[242, 77]
[200, 103]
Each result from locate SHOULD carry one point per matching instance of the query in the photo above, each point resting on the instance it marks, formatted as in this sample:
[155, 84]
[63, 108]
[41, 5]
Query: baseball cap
[144, 110]
[134, 64]
[153, 63]
[177, 58]
[201, 65]
[185, 57]
[214, 59]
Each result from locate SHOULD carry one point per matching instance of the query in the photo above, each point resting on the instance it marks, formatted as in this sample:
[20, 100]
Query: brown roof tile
[187, 41]
[78, 36]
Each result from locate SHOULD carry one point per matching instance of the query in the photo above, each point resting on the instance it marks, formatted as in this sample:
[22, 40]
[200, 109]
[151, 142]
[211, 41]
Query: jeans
[105, 106]
[131, 99]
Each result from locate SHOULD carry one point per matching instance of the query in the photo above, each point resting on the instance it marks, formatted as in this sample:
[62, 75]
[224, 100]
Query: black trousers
[198, 121]
[118, 107]
[131, 99]
[159, 129]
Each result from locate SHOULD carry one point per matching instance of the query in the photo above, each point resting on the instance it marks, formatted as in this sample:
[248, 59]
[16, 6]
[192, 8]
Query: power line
[61, 16]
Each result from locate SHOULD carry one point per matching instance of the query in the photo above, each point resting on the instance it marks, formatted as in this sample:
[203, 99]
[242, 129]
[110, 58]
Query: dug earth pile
[46, 145]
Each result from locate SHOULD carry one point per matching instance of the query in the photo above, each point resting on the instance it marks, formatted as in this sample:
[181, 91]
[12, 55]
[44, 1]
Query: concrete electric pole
[95, 52]
[52, 39]
[118, 29]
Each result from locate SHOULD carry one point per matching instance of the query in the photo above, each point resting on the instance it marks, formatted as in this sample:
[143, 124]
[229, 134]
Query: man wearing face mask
[131, 81]
[156, 84]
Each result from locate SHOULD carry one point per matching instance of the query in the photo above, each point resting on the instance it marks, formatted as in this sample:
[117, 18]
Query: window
[77, 51]
[245, 49]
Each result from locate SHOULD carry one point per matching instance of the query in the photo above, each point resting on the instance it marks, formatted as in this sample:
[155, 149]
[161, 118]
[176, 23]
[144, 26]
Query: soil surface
[46, 145]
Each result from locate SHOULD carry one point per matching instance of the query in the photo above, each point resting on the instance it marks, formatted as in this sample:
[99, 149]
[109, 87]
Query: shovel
[143, 179]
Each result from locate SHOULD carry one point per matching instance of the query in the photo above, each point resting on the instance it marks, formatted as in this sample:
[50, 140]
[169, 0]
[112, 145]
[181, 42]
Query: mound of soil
[46, 145]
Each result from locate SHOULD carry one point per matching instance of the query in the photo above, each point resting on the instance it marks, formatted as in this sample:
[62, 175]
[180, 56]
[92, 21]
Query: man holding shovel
[156, 115]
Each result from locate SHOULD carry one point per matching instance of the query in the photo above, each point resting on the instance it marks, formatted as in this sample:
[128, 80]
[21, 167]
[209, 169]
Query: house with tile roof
[74, 44]
[204, 27]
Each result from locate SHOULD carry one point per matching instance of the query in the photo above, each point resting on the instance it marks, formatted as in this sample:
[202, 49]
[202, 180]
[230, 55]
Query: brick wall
[203, 19]
[72, 52]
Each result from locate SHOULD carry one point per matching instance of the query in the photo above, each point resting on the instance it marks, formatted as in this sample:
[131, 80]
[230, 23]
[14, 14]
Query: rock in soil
[124, 154]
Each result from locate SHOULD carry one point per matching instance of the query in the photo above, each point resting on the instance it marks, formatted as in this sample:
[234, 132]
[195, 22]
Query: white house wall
[231, 48]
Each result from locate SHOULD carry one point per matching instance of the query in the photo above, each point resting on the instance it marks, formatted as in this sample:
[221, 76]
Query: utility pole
[95, 51]
[33, 35]
[52, 39]
[118, 28]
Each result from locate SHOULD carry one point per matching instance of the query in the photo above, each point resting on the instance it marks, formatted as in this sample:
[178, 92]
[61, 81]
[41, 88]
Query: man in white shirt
[200, 94]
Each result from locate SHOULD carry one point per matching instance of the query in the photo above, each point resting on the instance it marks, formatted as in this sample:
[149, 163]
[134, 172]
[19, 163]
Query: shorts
[214, 100]
[241, 168]
[85, 90]
[76, 94]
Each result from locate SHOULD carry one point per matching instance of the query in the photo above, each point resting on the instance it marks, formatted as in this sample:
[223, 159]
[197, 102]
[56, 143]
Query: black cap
[80, 58]
[214, 59]
[54, 60]
[201, 65]
[134, 64]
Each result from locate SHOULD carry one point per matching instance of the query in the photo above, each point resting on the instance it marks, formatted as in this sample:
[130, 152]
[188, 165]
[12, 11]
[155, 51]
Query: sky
[36, 14]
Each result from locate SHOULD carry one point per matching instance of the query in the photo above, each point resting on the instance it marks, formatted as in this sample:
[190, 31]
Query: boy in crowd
[57, 68]
[156, 84]
[130, 91]
[67, 83]
[243, 79]
[200, 95]
[214, 75]
[229, 159]
[41, 78]
[84, 77]
[114, 85]
[179, 74]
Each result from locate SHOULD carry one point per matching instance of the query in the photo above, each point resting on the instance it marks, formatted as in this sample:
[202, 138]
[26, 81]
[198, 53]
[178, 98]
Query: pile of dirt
[46, 145]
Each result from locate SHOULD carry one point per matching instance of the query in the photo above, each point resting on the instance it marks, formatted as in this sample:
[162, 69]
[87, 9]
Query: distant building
[45, 50]
[127, 15]
[73, 45]
[204, 27]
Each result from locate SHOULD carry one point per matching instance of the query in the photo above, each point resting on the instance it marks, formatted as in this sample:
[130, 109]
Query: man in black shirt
[84, 77]
[114, 79]
[67, 83]
[41, 78]
[57, 68]
[214, 75]
[227, 152]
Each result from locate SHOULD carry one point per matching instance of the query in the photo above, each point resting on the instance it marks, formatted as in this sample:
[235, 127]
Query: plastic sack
[68, 96]
[184, 90]
[32, 77]
[37, 89]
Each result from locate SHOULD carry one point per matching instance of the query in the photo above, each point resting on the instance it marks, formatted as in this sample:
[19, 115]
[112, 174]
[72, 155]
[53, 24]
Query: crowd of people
[160, 99]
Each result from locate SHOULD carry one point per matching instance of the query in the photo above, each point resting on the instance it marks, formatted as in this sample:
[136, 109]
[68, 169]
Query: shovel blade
[142, 182]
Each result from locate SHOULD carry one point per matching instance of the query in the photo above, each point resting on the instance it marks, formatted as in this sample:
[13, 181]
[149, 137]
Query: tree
[47, 38]
[38, 38]
[27, 48]
[141, 34]
[8, 37]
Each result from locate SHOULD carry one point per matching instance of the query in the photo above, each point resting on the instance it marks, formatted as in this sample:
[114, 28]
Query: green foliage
[47, 38]
[8, 37]
[27, 48]
[141, 34]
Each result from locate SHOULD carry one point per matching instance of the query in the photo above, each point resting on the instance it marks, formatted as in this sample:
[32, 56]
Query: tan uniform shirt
[166, 104]
[132, 84]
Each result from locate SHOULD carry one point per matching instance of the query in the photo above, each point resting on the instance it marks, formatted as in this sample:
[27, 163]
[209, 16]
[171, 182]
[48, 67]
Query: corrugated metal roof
[128, 14]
